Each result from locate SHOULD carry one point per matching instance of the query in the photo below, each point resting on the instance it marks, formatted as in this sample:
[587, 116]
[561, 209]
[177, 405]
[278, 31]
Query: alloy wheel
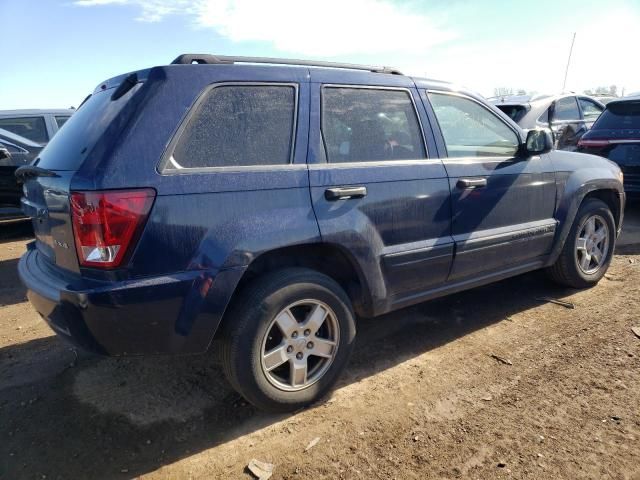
[300, 345]
[592, 245]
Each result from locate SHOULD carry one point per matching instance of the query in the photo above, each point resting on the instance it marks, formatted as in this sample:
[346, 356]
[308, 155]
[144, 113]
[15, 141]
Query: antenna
[566, 72]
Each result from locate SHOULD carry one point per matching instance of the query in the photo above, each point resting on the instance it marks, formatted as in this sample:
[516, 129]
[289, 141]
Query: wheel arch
[329, 259]
[576, 191]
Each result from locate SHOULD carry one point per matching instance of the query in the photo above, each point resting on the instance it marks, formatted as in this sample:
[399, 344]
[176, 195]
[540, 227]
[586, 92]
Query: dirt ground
[423, 396]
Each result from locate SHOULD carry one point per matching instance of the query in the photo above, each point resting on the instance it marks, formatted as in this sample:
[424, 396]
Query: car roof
[30, 112]
[354, 72]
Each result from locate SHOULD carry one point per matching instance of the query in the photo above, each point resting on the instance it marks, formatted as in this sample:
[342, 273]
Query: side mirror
[539, 141]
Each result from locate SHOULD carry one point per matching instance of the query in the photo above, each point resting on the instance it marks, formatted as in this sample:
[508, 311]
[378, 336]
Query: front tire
[588, 250]
[287, 337]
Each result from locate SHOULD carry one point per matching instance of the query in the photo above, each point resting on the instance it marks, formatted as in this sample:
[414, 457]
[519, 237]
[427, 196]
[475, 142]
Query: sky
[56, 51]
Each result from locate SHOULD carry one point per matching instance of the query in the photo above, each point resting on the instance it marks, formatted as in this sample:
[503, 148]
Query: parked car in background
[23, 133]
[616, 136]
[569, 116]
[39, 126]
[256, 206]
[21, 151]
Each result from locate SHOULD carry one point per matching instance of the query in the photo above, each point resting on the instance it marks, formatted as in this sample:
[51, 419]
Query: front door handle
[472, 183]
[343, 193]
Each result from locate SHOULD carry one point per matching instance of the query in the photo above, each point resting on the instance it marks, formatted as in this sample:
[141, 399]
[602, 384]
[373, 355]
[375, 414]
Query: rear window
[238, 125]
[514, 112]
[32, 128]
[71, 145]
[619, 116]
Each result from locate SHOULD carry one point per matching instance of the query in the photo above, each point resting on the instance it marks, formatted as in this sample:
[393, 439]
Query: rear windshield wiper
[31, 171]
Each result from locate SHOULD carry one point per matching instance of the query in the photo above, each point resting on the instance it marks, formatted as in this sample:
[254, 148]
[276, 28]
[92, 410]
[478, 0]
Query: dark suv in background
[258, 206]
[568, 116]
[616, 136]
[23, 133]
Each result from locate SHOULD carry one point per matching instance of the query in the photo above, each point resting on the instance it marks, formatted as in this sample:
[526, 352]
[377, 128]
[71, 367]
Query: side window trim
[373, 87]
[466, 97]
[168, 166]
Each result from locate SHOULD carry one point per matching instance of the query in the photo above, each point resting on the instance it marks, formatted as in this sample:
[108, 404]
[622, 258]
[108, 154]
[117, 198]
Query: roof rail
[207, 59]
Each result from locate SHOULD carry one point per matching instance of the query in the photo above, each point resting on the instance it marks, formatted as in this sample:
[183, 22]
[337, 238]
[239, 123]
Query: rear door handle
[343, 193]
[472, 183]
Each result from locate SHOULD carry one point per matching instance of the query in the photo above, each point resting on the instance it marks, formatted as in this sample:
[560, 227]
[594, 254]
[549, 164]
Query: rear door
[503, 205]
[375, 191]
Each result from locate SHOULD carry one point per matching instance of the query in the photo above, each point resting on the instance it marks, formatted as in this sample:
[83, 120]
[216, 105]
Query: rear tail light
[593, 143]
[106, 224]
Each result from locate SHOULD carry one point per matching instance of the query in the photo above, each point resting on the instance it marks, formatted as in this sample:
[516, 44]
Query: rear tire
[286, 339]
[588, 249]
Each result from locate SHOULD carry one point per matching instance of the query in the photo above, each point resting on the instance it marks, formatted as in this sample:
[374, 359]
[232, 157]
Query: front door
[502, 205]
[375, 192]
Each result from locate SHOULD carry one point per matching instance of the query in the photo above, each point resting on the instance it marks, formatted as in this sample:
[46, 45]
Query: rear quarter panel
[214, 222]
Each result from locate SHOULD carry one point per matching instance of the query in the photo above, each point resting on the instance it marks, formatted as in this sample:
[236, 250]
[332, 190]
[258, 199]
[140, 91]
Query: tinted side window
[566, 109]
[238, 125]
[470, 130]
[61, 121]
[32, 128]
[544, 118]
[590, 110]
[363, 124]
[514, 112]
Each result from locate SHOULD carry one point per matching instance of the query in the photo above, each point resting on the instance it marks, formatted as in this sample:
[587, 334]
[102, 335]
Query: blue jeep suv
[269, 202]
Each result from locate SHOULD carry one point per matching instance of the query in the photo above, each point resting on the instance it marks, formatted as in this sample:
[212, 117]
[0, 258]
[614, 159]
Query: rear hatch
[616, 136]
[48, 181]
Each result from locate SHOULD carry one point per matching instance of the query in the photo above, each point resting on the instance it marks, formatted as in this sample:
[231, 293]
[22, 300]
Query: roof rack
[206, 59]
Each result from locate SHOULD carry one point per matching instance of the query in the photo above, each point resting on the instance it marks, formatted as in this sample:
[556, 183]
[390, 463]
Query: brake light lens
[107, 223]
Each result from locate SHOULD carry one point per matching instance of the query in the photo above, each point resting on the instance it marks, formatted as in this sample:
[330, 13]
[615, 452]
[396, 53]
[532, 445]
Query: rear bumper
[176, 313]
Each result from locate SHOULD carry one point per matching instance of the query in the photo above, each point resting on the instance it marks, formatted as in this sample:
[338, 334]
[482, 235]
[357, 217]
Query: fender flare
[577, 187]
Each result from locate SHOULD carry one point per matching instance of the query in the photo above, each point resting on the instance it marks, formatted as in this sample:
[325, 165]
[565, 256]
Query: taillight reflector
[593, 143]
[105, 223]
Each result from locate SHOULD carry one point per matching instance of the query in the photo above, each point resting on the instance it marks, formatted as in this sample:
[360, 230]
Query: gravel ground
[423, 397]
